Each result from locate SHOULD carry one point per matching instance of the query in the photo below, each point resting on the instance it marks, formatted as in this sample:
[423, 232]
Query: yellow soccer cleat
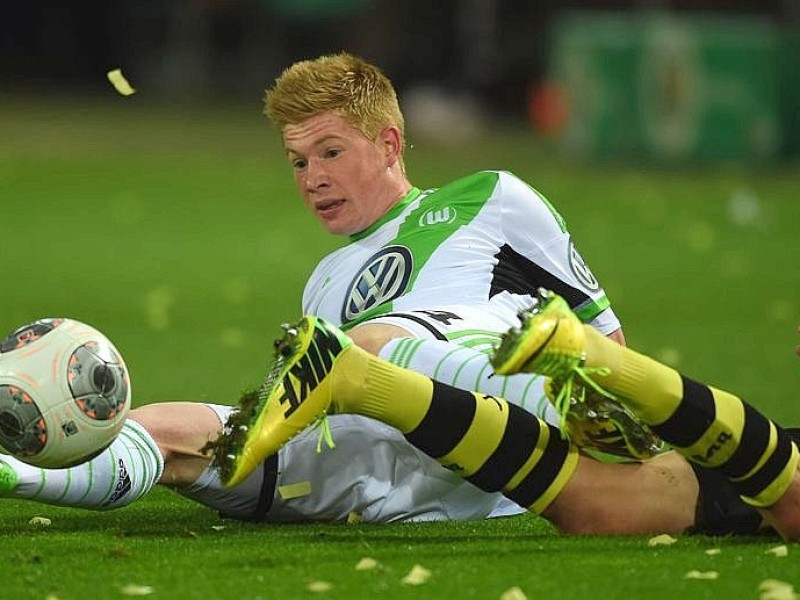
[296, 394]
[597, 422]
[550, 340]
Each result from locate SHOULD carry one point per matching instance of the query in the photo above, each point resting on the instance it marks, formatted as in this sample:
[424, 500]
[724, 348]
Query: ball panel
[23, 431]
[98, 383]
[28, 334]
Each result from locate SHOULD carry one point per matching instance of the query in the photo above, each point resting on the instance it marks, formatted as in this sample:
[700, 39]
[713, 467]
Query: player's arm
[618, 336]
[537, 235]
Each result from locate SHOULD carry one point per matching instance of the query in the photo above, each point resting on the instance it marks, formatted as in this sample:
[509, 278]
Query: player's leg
[602, 426]
[119, 475]
[180, 430]
[708, 426]
[159, 443]
[183, 429]
[494, 445]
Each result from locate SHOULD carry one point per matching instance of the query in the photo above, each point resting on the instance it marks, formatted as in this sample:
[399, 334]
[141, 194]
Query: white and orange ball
[64, 393]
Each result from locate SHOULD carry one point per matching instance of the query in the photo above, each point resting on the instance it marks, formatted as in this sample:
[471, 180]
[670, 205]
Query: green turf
[177, 232]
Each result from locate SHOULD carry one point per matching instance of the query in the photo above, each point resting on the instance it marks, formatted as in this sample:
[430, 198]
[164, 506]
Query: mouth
[326, 207]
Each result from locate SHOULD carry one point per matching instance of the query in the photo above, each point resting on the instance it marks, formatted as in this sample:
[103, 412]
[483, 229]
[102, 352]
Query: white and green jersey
[485, 242]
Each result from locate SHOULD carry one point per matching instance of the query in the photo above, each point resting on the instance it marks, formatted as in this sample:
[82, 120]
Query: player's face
[347, 180]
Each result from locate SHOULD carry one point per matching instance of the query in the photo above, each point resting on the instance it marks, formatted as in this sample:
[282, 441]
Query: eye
[332, 152]
[299, 163]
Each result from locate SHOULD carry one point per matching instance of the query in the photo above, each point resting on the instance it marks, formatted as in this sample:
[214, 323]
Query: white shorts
[373, 473]
[476, 326]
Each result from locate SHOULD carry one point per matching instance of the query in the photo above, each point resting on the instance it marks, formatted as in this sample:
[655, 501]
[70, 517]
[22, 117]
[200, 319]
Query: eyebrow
[317, 143]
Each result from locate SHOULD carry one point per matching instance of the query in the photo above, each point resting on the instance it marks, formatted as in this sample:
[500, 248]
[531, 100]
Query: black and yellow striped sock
[495, 445]
[710, 427]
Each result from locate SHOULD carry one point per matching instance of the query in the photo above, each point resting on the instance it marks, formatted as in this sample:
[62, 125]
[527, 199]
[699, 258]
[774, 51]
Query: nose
[316, 176]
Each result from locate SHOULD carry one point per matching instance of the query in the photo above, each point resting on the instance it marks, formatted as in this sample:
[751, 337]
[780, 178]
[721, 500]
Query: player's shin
[122, 473]
[711, 427]
[496, 446]
[493, 444]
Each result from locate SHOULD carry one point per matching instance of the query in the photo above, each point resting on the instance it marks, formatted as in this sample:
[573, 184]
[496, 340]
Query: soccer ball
[64, 393]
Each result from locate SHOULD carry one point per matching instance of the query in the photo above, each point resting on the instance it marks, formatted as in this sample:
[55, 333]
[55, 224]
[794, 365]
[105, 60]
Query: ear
[390, 140]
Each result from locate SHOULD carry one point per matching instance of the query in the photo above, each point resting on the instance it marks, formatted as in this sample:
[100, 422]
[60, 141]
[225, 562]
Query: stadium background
[168, 220]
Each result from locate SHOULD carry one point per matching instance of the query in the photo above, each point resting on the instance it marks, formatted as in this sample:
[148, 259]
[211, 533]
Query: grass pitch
[177, 232]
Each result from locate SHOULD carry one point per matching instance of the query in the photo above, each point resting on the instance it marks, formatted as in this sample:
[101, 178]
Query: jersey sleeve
[543, 253]
[313, 290]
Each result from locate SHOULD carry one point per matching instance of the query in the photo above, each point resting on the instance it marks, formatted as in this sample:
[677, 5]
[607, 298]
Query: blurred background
[669, 79]
[666, 132]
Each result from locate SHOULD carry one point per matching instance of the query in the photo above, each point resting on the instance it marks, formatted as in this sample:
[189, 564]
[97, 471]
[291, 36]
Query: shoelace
[325, 434]
[562, 401]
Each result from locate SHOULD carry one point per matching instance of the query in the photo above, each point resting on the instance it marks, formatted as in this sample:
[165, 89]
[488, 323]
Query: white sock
[468, 369]
[122, 473]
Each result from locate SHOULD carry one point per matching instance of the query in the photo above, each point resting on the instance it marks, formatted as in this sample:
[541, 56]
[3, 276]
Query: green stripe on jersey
[448, 208]
[590, 310]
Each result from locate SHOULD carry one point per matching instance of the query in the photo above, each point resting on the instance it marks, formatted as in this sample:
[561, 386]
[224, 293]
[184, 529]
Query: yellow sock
[651, 388]
[710, 427]
[492, 444]
[367, 385]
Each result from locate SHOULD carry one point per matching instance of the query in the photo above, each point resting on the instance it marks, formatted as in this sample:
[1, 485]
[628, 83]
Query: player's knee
[149, 417]
[374, 336]
[166, 423]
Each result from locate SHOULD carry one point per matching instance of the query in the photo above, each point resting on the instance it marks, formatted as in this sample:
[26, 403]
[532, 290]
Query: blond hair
[341, 83]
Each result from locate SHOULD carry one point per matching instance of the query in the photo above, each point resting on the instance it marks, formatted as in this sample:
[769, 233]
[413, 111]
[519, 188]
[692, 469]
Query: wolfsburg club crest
[581, 270]
[383, 278]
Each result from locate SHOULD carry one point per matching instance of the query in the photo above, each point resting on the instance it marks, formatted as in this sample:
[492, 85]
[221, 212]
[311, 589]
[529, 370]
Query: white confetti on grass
[779, 551]
[354, 517]
[775, 589]
[319, 586]
[366, 564]
[119, 82]
[40, 522]
[513, 593]
[661, 540]
[713, 551]
[417, 576]
[694, 574]
[133, 589]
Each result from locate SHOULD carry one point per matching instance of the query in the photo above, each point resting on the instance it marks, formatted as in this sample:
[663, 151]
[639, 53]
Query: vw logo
[383, 277]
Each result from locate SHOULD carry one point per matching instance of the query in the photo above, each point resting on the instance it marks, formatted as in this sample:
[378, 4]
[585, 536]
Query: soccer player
[497, 446]
[453, 264]
[343, 133]
[475, 249]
